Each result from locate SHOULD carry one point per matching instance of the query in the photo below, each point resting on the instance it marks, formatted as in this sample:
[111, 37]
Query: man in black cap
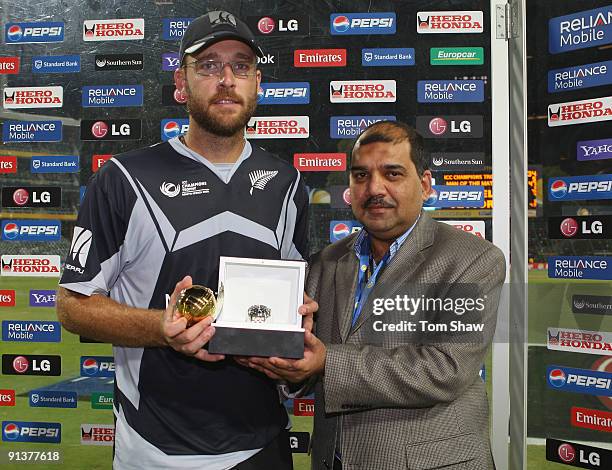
[155, 220]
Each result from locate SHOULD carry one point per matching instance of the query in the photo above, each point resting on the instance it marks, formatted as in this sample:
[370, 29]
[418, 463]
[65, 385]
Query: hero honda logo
[362, 23]
[362, 91]
[429, 22]
[113, 30]
[580, 112]
[23, 33]
[31, 265]
[33, 97]
[572, 188]
[278, 127]
[580, 341]
[97, 366]
[579, 30]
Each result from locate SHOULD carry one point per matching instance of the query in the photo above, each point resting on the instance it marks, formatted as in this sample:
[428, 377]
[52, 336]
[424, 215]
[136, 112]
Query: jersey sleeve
[94, 260]
[295, 242]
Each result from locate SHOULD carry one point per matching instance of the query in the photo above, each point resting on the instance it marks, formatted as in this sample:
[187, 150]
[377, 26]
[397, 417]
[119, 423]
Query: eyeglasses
[211, 68]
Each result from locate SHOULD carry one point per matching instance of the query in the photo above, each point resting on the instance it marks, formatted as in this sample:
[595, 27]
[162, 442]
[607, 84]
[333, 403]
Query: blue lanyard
[366, 281]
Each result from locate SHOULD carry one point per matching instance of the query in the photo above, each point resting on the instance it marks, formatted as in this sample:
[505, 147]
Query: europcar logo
[284, 93]
[455, 196]
[362, 91]
[580, 267]
[588, 28]
[581, 76]
[569, 379]
[113, 30]
[32, 131]
[448, 91]
[31, 230]
[171, 128]
[31, 431]
[339, 229]
[580, 112]
[429, 22]
[97, 366]
[362, 23]
[112, 96]
[456, 56]
[33, 97]
[574, 188]
[349, 127]
[278, 127]
[22, 33]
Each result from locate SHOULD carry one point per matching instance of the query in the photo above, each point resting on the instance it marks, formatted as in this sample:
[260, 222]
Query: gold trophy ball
[196, 303]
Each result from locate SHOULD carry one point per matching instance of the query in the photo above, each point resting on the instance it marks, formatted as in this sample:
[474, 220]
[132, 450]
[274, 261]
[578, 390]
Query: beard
[220, 124]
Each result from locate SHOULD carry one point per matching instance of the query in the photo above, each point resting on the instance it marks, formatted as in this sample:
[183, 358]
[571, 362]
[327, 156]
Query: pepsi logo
[21, 197]
[432, 198]
[569, 227]
[558, 189]
[99, 129]
[341, 230]
[260, 94]
[11, 231]
[14, 33]
[11, 431]
[341, 24]
[180, 96]
[172, 129]
[21, 364]
[438, 126]
[266, 25]
[566, 452]
[604, 364]
[90, 366]
[557, 378]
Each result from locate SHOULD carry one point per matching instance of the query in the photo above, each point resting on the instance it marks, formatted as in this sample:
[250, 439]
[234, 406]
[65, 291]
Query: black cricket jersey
[152, 216]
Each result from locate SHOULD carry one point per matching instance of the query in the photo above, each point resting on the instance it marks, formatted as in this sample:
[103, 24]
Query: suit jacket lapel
[403, 265]
[346, 284]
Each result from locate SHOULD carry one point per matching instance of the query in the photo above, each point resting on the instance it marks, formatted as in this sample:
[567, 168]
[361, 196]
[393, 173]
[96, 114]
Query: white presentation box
[259, 316]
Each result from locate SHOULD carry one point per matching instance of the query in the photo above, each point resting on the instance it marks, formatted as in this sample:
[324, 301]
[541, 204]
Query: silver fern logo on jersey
[259, 179]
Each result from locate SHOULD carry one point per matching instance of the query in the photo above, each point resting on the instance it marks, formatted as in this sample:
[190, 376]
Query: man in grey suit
[391, 393]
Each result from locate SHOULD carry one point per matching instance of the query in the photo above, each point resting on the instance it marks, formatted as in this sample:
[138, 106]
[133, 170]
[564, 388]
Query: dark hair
[395, 132]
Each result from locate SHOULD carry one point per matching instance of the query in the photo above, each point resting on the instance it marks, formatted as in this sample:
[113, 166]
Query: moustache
[378, 201]
[226, 96]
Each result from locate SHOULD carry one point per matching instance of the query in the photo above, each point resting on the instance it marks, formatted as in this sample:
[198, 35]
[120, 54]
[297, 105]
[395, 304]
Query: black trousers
[275, 456]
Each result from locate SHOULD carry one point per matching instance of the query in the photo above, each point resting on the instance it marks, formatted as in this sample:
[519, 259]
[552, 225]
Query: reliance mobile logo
[173, 29]
[588, 150]
[278, 127]
[171, 128]
[588, 28]
[97, 366]
[33, 97]
[362, 91]
[32, 131]
[113, 30]
[9, 65]
[581, 341]
[31, 331]
[580, 267]
[319, 58]
[448, 91]
[343, 24]
[55, 164]
[349, 127]
[455, 196]
[31, 230]
[580, 112]
[574, 188]
[28, 33]
[31, 431]
[112, 96]
[429, 22]
[569, 379]
[579, 77]
[339, 229]
[284, 93]
[31, 265]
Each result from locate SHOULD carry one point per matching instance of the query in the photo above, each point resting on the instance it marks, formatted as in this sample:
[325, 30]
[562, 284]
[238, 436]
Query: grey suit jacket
[405, 400]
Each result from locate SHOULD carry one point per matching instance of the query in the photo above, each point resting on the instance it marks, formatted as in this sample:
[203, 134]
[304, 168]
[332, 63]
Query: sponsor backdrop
[80, 82]
[570, 314]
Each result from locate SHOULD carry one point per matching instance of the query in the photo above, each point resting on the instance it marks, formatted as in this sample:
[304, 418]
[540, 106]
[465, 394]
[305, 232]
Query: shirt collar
[362, 242]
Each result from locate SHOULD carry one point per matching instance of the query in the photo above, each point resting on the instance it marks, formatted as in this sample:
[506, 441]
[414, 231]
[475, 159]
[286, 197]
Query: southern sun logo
[259, 179]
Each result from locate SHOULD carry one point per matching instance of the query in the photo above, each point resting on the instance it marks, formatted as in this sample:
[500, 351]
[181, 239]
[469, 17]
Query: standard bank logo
[52, 399]
[284, 93]
[24, 33]
[56, 64]
[580, 267]
[362, 23]
[349, 127]
[574, 188]
[569, 379]
[448, 91]
[55, 164]
[387, 57]
[588, 28]
[112, 96]
[581, 76]
[455, 196]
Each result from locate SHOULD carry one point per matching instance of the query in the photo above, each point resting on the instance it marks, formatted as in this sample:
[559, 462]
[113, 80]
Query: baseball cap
[213, 27]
